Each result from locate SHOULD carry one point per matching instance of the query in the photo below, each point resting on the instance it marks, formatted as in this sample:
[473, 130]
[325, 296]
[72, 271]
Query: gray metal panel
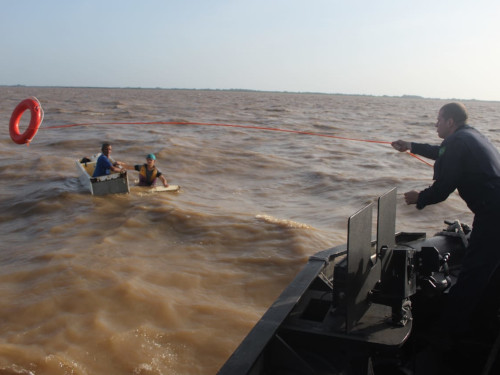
[386, 226]
[361, 277]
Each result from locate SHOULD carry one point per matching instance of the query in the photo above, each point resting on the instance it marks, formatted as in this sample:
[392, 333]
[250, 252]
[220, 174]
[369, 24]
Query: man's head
[451, 117]
[106, 148]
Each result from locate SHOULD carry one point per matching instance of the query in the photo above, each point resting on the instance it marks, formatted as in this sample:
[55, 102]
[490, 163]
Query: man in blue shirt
[105, 165]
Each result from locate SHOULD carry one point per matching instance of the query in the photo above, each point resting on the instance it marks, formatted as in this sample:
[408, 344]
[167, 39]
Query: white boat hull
[115, 183]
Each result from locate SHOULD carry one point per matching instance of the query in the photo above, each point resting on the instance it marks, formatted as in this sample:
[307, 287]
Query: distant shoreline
[405, 96]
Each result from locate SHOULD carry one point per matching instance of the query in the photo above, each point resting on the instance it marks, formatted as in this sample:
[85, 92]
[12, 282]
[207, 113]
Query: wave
[282, 222]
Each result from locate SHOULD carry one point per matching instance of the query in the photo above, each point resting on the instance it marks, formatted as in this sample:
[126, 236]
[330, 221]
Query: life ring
[36, 119]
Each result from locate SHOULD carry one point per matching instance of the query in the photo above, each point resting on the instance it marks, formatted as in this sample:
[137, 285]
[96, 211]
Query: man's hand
[401, 146]
[411, 197]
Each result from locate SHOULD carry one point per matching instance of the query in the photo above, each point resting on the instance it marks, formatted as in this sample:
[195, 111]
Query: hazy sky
[432, 48]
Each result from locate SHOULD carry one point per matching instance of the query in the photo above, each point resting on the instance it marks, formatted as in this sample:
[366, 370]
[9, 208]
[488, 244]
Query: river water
[170, 283]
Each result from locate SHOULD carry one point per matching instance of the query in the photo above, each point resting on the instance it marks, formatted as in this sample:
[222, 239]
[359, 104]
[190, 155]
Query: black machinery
[367, 307]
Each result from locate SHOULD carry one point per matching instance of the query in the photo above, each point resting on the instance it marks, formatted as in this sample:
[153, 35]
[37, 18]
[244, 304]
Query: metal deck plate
[361, 275]
[386, 225]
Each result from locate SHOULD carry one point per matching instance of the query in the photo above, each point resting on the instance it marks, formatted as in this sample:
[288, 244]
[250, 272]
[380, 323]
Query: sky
[430, 48]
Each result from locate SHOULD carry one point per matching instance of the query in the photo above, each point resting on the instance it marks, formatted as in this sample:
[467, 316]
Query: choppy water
[171, 283]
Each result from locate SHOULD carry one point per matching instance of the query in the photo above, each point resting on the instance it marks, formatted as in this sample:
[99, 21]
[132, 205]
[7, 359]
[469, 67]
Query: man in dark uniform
[466, 160]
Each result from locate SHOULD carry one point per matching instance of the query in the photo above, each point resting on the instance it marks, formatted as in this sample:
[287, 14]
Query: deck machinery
[367, 307]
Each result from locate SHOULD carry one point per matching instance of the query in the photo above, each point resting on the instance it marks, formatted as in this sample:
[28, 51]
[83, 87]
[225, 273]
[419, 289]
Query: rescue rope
[37, 117]
[419, 158]
[234, 126]
[221, 125]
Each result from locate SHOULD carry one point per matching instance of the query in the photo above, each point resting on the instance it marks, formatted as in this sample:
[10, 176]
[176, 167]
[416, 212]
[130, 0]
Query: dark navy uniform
[466, 160]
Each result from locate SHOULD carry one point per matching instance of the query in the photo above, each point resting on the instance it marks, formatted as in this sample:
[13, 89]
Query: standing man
[105, 164]
[466, 160]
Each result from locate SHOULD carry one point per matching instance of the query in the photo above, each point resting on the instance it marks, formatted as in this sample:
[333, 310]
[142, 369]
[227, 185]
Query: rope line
[419, 158]
[232, 126]
[218, 124]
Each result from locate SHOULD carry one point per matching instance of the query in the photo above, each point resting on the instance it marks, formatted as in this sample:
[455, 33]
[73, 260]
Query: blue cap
[151, 156]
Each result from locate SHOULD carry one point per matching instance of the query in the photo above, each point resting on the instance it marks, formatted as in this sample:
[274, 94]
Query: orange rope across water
[231, 126]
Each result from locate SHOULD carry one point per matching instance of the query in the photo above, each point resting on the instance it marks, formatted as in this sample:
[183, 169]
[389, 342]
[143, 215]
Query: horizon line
[404, 96]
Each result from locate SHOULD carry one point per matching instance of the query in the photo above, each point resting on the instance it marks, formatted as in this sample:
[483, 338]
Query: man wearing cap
[148, 173]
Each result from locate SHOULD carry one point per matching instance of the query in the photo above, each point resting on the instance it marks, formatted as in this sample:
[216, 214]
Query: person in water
[148, 172]
[466, 160]
[105, 165]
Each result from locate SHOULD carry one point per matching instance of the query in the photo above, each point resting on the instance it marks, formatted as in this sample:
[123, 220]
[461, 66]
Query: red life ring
[36, 119]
